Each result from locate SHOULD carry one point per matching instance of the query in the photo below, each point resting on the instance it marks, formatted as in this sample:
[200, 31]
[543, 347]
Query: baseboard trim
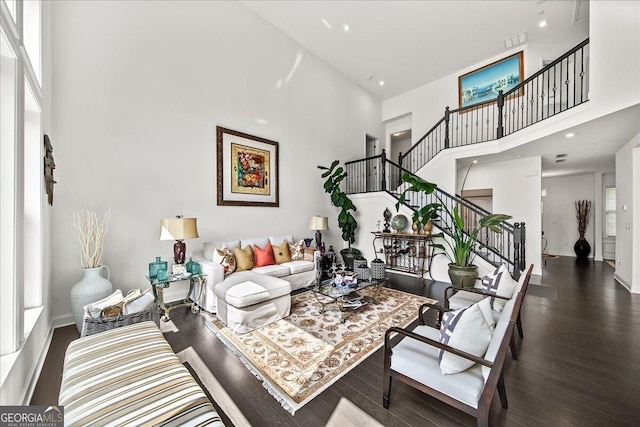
[62, 320]
[34, 376]
[623, 282]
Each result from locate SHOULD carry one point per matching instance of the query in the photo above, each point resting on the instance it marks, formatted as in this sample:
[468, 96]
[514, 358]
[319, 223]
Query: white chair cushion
[464, 299]
[298, 266]
[419, 361]
[275, 270]
[465, 330]
[248, 293]
[499, 282]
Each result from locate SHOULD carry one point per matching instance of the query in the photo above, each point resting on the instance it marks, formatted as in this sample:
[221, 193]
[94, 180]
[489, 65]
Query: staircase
[556, 88]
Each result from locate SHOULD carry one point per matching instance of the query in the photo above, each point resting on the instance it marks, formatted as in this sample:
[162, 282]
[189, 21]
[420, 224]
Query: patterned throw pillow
[263, 256]
[296, 250]
[465, 330]
[499, 282]
[281, 252]
[244, 258]
[225, 258]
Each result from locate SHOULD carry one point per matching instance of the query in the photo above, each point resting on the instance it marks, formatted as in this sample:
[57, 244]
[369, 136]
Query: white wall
[516, 188]
[139, 90]
[627, 207]
[561, 229]
[615, 54]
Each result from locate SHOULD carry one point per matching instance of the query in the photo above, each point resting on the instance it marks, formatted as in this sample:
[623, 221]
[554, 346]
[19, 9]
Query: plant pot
[463, 277]
[93, 287]
[582, 248]
[348, 255]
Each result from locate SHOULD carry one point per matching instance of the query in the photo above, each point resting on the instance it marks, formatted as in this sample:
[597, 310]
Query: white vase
[93, 287]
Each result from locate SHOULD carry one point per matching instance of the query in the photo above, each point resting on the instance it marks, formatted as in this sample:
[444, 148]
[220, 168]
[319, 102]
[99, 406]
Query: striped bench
[130, 376]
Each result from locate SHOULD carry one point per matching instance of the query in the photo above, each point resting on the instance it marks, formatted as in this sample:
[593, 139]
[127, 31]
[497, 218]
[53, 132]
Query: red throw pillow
[263, 256]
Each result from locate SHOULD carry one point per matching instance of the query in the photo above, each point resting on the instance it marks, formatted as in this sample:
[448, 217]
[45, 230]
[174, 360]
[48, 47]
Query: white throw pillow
[139, 304]
[95, 308]
[499, 282]
[465, 330]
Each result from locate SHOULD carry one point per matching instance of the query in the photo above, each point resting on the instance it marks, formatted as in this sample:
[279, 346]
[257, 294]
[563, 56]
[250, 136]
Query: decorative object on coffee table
[583, 211]
[178, 229]
[93, 286]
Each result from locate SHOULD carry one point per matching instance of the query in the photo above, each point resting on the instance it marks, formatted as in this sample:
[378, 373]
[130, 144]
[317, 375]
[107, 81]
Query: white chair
[414, 361]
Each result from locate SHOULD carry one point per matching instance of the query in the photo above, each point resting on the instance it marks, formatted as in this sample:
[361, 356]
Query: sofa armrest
[213, 270]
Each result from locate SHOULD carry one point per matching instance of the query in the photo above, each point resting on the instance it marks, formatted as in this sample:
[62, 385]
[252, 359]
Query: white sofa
[298, 273]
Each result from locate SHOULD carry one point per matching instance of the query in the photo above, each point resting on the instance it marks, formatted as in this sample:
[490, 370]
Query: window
[21, 147]
[610, 211]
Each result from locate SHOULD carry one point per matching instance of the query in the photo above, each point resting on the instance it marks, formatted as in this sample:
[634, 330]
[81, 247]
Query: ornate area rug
[300, 356]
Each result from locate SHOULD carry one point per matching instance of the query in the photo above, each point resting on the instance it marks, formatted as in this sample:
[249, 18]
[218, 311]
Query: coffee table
[340, 295]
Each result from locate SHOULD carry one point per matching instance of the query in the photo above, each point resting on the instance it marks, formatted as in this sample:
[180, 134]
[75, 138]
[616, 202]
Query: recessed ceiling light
[569, 135]
[381, 82]
[324, 21]
[346, 27]
[543, 23]
[475, 161]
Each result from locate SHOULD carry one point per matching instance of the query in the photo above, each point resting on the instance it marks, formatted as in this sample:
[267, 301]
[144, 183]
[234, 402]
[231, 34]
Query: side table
[160, 285]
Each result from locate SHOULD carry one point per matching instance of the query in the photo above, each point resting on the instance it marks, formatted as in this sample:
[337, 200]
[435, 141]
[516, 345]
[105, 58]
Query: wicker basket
[92, 326]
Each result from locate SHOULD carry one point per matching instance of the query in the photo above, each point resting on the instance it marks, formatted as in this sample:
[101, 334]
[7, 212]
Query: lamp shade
[178, 228]
[318, 223]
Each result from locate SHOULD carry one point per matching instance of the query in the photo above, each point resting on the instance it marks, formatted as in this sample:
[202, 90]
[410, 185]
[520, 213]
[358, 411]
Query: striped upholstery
[130, 376]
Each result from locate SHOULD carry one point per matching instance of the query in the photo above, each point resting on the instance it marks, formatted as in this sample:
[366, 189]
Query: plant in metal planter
[335, 174]
[463, 242]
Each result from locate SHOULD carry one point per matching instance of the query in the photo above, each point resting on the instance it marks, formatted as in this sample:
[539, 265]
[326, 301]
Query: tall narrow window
[31, 30]
[610, 211]
[8, 183]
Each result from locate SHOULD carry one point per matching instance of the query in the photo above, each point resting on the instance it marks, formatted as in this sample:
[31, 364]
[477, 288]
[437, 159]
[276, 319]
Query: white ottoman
[249, 300]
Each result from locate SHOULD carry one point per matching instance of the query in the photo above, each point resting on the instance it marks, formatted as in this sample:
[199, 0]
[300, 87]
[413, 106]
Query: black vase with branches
[583, 211]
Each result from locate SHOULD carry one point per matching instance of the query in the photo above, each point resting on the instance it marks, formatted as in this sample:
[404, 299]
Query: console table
[410, 253]
[160, 285]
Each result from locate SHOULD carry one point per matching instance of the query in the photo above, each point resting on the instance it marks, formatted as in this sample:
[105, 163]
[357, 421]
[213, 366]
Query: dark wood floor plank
[578, 363]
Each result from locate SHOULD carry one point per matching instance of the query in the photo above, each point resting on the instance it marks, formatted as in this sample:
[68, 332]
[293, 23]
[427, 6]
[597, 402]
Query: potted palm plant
[334, 175]
[463, 243]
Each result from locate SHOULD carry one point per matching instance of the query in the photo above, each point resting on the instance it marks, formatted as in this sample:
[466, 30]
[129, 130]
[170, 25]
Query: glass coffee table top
[345, 296]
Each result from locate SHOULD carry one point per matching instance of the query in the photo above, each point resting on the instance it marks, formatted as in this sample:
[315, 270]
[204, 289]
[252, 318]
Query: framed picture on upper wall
[483, 84]
[247, 169]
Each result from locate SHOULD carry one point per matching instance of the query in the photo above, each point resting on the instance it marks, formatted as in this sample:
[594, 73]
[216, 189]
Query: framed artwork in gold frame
[247, 169]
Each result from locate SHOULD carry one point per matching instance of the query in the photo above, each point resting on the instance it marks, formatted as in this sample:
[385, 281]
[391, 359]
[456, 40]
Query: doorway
[371, 149]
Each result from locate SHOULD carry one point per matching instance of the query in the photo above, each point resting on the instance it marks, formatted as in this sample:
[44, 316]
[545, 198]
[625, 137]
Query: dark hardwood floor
[579, 362]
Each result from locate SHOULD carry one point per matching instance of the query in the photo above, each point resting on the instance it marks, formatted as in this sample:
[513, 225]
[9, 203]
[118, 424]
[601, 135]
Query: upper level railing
[559, 86]
[379, 174]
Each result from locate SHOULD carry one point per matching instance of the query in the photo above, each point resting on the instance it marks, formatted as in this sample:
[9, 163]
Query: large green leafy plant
[335, 174]
[463, 238]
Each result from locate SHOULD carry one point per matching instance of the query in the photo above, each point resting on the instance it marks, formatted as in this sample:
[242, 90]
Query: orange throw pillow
[263, 256]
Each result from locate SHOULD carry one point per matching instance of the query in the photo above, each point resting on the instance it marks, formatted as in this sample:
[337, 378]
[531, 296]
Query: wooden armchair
[463, 297]
[414, 361]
